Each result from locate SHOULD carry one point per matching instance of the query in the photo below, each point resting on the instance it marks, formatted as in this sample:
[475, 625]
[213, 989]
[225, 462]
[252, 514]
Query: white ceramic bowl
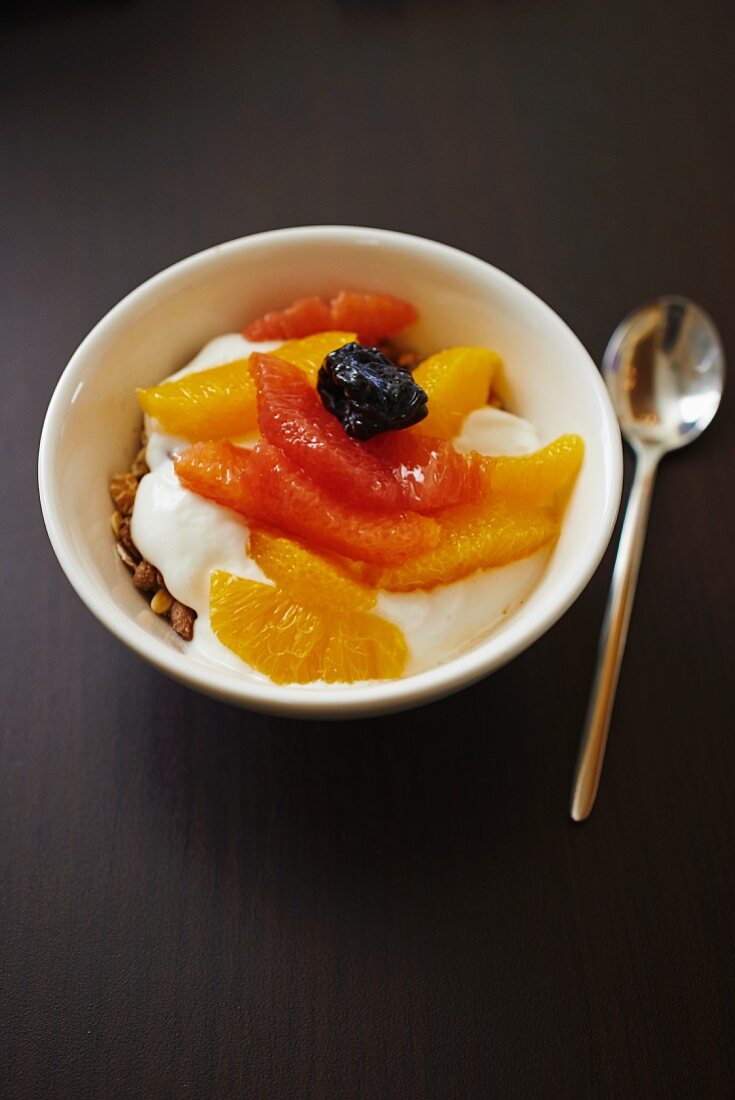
[93, 422]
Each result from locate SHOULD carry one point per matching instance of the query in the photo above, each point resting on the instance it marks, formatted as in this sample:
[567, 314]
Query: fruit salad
[316, 503]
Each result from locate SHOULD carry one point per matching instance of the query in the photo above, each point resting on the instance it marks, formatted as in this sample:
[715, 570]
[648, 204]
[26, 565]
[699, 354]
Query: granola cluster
[146, 578]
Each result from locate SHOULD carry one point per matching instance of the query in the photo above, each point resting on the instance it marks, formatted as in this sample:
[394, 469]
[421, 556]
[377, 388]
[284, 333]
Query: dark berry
[368, 393]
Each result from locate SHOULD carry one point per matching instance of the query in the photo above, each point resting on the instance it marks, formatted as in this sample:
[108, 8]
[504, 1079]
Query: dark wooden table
[196, 901]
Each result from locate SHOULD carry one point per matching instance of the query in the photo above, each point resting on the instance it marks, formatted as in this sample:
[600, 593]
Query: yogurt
[186, 537]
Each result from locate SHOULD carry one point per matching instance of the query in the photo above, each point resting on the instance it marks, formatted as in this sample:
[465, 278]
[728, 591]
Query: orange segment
[209, 404]
[473, 536]
[309, 353]
[221, 402]
[543, 478]
[307, 576]
[457, 380]
[294, 643]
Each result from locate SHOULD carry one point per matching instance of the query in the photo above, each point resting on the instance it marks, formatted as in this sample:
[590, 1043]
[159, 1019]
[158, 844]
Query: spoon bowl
[664, 367]
[665, 370]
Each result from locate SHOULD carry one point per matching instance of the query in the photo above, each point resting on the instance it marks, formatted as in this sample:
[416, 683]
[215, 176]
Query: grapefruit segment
[431, 473]
[371, 316]
[292, 417]
[267, 487]
[304, 317]
[208, 404]
[392, 472]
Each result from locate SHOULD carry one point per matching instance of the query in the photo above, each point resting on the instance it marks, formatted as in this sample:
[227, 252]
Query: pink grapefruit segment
[394, 472]
[372, 316]
[269, 488]
[292, 417]
[303, 318]
[431, 473]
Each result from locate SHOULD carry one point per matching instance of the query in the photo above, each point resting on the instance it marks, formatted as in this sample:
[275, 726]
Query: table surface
[197, 901]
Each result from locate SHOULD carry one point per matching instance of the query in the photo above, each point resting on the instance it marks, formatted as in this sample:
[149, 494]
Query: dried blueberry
[368, 393]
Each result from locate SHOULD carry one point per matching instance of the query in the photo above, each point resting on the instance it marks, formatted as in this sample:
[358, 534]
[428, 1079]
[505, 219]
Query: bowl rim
[333, 701]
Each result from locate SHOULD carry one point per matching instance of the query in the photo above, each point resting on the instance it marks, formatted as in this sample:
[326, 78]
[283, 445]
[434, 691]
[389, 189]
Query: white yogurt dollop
[186, 537]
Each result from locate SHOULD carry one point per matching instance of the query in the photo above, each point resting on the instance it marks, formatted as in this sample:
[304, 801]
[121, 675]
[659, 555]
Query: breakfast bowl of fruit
[329, 471]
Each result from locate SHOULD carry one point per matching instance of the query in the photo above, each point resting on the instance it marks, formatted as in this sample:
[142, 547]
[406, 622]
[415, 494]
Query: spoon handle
[612, 638]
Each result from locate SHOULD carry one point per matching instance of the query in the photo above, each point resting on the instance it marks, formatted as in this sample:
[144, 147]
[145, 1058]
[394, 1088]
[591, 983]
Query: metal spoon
[665, 369]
